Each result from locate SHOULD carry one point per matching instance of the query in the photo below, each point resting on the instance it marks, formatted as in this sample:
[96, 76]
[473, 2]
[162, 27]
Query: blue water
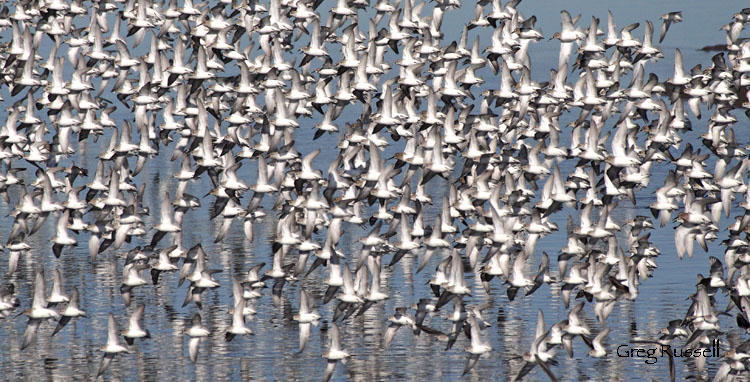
[271, 354]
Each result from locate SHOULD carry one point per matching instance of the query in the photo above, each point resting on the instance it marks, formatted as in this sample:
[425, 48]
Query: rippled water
[271, 354]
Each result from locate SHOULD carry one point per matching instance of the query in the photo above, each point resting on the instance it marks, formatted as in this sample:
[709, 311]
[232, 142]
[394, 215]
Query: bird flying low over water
[112, 347]
[378, 160]
[196, 332]
[334, 353]
[39, 310]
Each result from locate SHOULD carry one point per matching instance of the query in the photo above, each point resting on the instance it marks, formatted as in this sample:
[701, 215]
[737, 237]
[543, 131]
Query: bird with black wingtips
[539, 354]
[477, 347]
[112, 347]
[238, 322]
[39, 310]
[134, 329]
[71, 311]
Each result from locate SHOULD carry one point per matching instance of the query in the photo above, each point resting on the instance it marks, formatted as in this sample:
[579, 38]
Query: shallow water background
[271, 354]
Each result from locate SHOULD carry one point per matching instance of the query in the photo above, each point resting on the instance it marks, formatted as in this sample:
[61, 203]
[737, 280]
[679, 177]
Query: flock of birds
[498, 151]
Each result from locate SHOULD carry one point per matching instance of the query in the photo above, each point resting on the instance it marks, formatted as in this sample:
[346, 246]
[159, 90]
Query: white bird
[477, 347]
[306, 316]
[112, 348]
[238, 322]
[38, 311]
[334, 353]
[134, 329]
[196, 332]
[597, 348]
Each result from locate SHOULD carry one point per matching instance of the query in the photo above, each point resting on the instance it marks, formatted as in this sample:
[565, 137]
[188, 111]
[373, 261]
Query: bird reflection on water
[315, 226]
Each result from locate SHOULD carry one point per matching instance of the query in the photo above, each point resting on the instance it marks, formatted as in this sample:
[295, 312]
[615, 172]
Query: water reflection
[271, 354]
